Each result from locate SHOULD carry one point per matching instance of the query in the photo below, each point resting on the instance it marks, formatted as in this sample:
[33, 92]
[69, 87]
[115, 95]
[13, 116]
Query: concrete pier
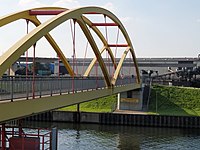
[130, 100]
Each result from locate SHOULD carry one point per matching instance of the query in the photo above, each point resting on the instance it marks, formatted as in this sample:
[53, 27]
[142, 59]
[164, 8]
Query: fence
[26, 138]
[15, 87]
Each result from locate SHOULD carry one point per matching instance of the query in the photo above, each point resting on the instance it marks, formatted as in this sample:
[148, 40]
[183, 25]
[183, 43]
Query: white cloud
[39, 3]
[30, 3]
[110, 6]
[24, 4]
[67, 3]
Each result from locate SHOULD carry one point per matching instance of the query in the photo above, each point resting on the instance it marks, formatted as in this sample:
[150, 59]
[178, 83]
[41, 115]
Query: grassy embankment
[179, 101]
[105, 104]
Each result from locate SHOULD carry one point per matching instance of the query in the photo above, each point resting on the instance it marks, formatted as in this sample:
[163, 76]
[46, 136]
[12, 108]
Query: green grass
[105, 104]
[173, 100]
[177, 101]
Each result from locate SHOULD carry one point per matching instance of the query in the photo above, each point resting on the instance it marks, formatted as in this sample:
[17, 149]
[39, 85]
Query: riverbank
[119, 119]
[164, 100]
[174, 101]
[175, 107]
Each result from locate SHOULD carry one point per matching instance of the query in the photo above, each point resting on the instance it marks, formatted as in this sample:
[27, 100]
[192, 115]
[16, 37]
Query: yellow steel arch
[95, 49]
[91, 65]
[100, 35]
[25, 15]
[126, 36]
[119, 66]
[121, 27]
[22, 45]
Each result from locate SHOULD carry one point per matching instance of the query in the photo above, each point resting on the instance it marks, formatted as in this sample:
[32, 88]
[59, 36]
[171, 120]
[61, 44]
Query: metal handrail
[18, 87]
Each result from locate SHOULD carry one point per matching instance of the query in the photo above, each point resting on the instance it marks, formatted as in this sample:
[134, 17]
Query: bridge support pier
[78, 117]
[130, 100]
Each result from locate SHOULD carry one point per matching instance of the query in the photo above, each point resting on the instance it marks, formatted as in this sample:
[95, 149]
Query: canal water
[108, 137]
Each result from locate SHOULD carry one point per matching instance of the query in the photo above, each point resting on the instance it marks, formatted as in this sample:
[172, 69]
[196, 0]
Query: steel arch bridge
[60, 16]
[18, 105]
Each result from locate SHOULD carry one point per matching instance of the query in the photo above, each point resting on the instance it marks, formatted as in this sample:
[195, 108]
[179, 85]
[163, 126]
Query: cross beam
[46, 12]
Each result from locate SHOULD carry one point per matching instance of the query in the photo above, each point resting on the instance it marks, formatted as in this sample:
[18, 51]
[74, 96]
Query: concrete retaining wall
[120, 119]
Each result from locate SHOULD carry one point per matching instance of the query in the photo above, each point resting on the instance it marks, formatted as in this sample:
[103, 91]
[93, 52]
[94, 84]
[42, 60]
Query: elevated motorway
[127, 60]
[159, 64]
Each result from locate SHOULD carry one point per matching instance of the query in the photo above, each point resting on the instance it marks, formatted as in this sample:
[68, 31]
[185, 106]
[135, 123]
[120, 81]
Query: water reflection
[107, 137]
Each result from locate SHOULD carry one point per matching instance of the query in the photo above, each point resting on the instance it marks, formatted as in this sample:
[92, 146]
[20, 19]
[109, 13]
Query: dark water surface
[109, 137]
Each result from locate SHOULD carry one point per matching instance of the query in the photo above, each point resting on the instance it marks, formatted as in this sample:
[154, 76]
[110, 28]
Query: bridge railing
[16, 87]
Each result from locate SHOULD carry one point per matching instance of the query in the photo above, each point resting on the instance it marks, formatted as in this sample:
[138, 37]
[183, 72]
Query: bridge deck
[22, 108]
[18, 98]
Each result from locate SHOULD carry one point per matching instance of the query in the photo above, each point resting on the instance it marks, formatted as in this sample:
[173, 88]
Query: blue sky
[158, 28]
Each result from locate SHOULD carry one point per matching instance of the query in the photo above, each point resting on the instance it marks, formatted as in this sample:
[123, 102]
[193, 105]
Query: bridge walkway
[21, 97]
